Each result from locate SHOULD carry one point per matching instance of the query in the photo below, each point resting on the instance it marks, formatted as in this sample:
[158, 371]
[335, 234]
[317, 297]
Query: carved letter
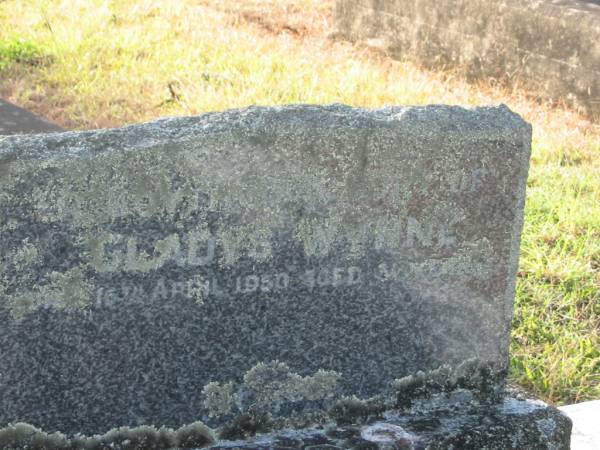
[99, 259]
[416, 233]
[194, 240]
[164, 250]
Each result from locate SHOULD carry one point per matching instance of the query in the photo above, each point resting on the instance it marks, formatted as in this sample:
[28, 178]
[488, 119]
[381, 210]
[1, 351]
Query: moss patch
[268, 386]
[19, 51]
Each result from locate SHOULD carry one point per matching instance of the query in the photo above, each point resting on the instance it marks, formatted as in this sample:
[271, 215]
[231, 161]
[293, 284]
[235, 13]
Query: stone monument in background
[549, 48]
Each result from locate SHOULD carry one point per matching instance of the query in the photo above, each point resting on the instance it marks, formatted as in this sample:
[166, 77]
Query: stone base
[467, 407]
[446, 421]
[455, 422]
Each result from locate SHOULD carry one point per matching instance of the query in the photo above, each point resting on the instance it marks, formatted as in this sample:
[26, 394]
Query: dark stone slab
[16, 120]
[441, 423]
[270, 258]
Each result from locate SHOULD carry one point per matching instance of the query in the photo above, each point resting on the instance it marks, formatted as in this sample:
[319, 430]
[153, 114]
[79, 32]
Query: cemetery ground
[100, 63]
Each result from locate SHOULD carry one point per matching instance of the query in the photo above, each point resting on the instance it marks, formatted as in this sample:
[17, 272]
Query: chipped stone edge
[74, 144]
[518, 222]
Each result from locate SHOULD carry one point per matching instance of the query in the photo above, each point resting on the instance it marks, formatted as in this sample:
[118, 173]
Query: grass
[101, 63]
[19, 51]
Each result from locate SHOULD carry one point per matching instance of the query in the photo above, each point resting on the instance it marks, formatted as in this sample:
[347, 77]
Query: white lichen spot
[319, 386]
[198, 289]
[25, 257]
[12, 224]
[19, 305]
[218, 398]
[71, 290]
[520, 407]
[274, 382]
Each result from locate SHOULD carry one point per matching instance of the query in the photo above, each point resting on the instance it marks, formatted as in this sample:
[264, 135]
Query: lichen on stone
[20, 304]
[197, 289]
[274, 382]
[69, 290]
[267, 386]
[247, 425]
[482, 378]
[218, 398]
[26, 256]
[25, 436]
[352, 410]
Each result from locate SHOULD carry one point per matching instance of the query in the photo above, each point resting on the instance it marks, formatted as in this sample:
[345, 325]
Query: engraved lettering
[354, 276]
[196, 241]
[323, 278]
[266, 284]
[251, 283]
[309, 278]
[160, 290]
[98, 254]
[417, 233]
[282, 280]
[179, 288]
[164, 250]
[338, 274]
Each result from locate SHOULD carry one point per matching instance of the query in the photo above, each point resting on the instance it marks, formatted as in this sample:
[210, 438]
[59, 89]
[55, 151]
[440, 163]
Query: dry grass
[100, 63]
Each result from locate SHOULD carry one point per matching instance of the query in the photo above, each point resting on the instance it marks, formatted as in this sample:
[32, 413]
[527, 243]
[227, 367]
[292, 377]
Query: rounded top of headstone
[256, 120]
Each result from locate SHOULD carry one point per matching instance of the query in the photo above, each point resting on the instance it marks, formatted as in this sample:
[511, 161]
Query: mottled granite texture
[271, 258]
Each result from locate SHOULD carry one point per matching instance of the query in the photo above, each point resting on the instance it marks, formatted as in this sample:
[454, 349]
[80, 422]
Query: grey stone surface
[585, 417]
[275, 257]
[16, 120]
[549, 47]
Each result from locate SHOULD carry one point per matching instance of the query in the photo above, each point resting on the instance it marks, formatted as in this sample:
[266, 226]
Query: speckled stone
[453, 422]
[174, 271]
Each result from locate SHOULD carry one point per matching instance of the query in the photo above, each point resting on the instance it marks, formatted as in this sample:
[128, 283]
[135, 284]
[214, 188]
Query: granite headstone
[148, 271]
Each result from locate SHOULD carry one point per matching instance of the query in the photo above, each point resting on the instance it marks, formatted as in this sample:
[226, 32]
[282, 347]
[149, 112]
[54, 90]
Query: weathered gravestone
[172, 271]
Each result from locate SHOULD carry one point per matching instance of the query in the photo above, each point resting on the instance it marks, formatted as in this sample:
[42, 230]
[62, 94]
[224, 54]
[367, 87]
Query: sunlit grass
[107, 63]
